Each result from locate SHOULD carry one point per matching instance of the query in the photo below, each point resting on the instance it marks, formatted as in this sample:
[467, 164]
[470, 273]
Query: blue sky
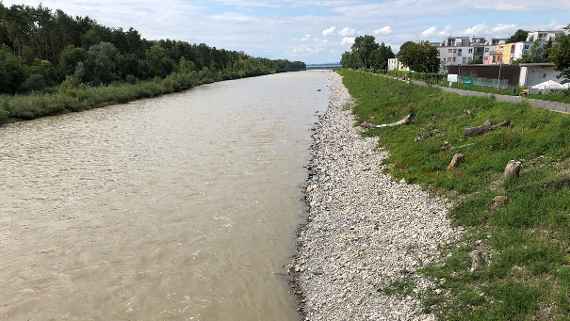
[315, 31]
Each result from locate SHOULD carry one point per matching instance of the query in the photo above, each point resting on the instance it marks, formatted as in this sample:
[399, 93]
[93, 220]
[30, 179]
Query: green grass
[77, 98]
[490, 90]
[561, 96]
[528, 240]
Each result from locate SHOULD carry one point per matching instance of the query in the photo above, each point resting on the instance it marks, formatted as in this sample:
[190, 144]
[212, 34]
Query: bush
[33, 83]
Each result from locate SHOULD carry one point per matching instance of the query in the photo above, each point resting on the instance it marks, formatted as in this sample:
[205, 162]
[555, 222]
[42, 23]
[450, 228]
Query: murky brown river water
[176, 208]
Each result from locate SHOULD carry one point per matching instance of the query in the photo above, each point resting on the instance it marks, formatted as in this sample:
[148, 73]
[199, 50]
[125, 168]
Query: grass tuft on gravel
[526, 243]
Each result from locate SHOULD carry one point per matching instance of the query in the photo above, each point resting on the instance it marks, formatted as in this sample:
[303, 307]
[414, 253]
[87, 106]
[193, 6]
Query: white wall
[531, 76]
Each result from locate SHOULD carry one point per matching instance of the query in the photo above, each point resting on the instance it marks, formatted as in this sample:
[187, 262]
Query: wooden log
[485, 128]
[404, 121]
[457, 159]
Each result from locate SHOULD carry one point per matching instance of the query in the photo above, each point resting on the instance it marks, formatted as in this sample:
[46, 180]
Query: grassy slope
[528, 277]
[563, 96]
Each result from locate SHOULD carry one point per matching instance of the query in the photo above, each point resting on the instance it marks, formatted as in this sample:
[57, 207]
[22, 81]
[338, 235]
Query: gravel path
[364, 230]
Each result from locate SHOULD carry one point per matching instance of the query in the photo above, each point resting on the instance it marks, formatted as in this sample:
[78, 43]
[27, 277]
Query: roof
[549, 31]
[542, 64]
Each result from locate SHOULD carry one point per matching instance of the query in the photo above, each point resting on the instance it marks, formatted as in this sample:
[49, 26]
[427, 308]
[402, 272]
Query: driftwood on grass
[457, 159]
[404, 121]
[486, 127]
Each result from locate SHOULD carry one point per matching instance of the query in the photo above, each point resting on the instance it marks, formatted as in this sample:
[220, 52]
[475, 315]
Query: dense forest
[41, 48]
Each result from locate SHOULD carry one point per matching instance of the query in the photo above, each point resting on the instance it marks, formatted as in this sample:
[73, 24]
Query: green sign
[467, 80]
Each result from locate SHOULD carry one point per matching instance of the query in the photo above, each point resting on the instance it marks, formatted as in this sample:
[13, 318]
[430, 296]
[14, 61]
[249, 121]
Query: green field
[526, 243]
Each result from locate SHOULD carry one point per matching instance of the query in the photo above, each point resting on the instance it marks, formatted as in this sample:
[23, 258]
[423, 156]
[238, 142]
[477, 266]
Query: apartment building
[544, 36]
[461, 51]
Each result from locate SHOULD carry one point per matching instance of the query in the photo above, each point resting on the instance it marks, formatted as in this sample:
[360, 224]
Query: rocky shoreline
[364, 231]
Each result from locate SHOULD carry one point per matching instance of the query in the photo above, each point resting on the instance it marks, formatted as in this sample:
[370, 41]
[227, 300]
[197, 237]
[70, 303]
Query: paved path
[543, 104]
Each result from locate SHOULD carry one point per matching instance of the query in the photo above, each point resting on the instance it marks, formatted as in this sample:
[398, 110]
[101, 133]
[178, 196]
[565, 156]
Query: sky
[316, 31]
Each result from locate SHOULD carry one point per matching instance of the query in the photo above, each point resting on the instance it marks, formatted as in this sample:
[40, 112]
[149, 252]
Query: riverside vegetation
[52, 63]
[523, 244]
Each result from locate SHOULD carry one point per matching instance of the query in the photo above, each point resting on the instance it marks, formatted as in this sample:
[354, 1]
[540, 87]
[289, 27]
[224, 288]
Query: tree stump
[513, 169]
[478, 256]
[457, 159]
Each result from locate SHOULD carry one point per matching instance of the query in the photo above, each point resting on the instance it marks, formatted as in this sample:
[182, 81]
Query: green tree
[101, 64]
[535, 54]
[11, 72]
[363, 51]
[420, 57]
[186, 66]
[34, 82]
[560, 55]
[70, 57]
[519, 35]
[159, 63]
[380, 57]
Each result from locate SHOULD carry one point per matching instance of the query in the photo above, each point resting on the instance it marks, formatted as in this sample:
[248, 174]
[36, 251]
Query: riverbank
[366, 235]
[78, 97]
[513, 262]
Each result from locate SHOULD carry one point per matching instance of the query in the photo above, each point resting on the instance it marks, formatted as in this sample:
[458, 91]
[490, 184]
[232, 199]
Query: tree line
[366, 53]
[41, 48]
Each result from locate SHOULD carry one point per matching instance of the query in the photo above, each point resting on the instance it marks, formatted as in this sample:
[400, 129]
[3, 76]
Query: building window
[486, 49]
[470, 50]
[448, 50]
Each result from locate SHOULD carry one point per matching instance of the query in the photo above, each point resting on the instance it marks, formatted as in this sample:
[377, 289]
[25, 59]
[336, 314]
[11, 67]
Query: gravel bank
[364, 230]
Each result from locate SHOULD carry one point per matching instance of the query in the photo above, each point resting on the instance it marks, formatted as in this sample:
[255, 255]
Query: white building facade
[396, 65]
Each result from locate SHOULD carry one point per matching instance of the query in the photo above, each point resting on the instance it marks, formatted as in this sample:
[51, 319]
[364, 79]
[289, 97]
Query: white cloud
[505, 28]
[280, 28]
[329, 31]
[347, 32]
[347, 41]
[477, 29]
[431, 31]
[445, 31]
[386, 30]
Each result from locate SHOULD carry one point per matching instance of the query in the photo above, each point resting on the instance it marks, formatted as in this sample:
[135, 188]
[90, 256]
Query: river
[182, 207]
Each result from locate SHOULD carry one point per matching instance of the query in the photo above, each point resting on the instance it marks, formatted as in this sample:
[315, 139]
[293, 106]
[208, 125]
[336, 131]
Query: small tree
[420, 57]
[11, 72]
[101, 66]
[158, 61]
[560, 55]
[518, 36]
[363, 50]
[536, 54]
[69, 58]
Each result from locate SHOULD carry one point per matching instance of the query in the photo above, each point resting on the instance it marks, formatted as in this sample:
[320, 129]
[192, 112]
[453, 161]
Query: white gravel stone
[364, 230]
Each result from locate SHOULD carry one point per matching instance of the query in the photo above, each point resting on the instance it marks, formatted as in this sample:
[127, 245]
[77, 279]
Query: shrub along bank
[520, 242]
[74, 97]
